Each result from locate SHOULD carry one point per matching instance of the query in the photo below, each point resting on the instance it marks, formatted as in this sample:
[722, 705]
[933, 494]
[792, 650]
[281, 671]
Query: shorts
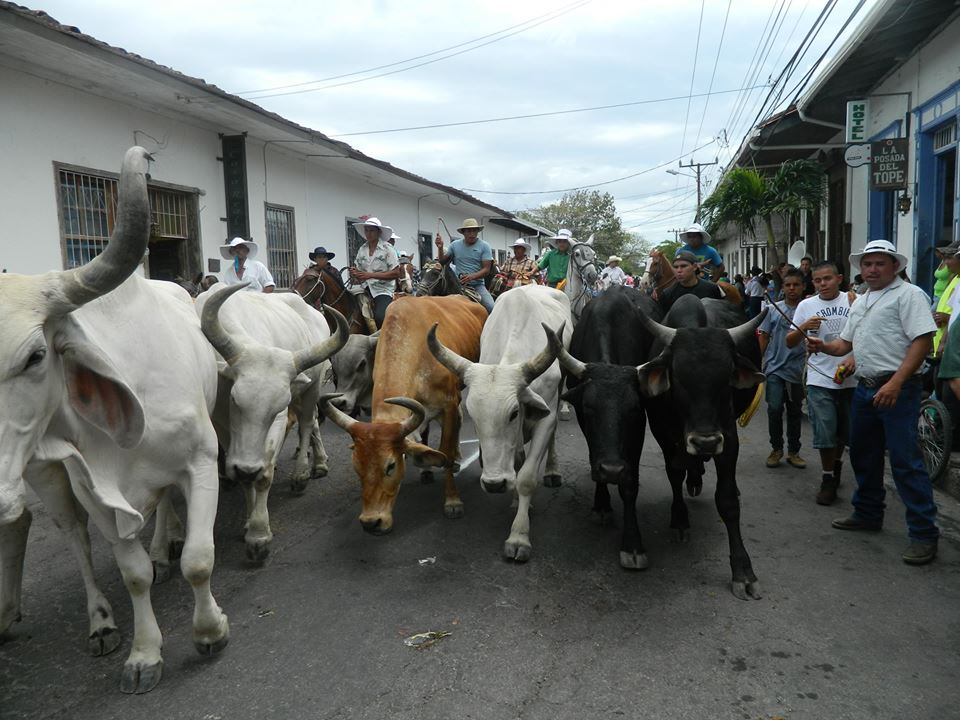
[829, 415]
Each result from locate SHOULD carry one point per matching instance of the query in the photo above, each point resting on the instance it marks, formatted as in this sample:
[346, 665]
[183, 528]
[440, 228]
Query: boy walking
[783, 367]
[829, 390]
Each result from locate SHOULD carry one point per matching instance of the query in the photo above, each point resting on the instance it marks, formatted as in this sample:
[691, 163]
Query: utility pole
[676, 234]
[697, 168]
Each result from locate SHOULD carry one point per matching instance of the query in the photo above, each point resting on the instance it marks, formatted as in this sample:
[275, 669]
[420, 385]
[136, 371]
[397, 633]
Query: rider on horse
[557, 258]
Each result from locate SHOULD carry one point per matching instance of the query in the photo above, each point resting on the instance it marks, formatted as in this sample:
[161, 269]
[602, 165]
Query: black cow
[702, 375]
[608, 344]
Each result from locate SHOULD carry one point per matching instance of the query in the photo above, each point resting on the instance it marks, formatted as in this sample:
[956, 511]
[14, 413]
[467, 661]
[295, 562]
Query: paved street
[844, 630]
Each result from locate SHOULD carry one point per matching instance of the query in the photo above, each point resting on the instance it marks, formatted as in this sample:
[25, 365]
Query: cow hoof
[746, 590]
[320, 472]
[161, 572]
[103, 641]
[694, 486]
[138, 678]
[257, 552]
[553, 481]
[175, 549]
[681, 535]
[298, 487]
[426, 477]
[633, 560]
[518, 552]
[453, 510]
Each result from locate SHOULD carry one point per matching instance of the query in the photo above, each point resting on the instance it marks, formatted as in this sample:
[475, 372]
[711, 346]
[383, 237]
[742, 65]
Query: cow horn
[446, 357]
[305, 359]
[210, 323]
[537, 366]
[747, 329]
[418, 413]
[127, 244]
[336, 415]
[660, 332]
[567, 361]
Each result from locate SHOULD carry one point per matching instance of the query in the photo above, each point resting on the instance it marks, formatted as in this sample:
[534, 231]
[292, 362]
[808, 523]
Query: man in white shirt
[376, 265]
[890, 330]
[829, 392]
[613, 274]
[244, 268]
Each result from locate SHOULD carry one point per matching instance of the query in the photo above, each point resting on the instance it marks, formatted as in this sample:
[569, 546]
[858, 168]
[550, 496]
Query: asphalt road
[844, 629]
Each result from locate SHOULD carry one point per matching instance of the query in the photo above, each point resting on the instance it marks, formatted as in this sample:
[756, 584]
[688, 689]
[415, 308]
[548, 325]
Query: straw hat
[470, 224]
[236, 242]
[879, 246]
[614, 258]
[385, 230]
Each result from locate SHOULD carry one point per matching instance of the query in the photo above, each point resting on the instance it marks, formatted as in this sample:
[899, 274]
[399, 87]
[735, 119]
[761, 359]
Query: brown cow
[410, 388]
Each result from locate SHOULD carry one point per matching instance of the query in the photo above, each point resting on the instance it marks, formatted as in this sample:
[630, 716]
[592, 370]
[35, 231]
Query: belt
[879, 380]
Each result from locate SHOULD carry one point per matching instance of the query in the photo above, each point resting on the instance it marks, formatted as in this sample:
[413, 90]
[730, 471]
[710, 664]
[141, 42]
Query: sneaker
[774, 458]
[855, 523]
[827, 494]
[920, 553]
[796, 461]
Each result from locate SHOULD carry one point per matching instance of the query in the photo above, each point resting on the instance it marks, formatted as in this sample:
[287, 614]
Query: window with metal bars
[281, 244]
[944, 137]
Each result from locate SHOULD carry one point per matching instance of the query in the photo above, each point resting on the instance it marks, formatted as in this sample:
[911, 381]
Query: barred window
[281, 245]
[89, 207]
[354, 240]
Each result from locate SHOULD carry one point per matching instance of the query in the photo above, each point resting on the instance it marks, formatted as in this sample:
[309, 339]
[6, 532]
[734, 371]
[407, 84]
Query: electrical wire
[713, 75]
[658, 202]
[533, 115]
[693, 76]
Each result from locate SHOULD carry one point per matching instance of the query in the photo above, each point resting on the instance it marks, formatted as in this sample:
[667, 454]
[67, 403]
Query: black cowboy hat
[320, 250]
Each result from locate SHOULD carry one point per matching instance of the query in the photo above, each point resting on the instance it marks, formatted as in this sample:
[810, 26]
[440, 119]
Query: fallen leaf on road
[428, 561]
[425, 639]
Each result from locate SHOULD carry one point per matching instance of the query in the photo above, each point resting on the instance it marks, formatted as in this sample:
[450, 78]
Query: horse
[658, 276]
[324, 286]
[438, 280]
[580, 285]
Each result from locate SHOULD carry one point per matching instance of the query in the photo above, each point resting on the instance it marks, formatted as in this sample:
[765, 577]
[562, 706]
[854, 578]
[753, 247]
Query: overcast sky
[561, 55]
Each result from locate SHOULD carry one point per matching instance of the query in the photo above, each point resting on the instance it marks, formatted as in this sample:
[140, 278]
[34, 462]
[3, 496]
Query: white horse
[580, 287]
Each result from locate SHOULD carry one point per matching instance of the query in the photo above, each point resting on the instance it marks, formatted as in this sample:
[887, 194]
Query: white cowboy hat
[520, 242]
[394, 236]
[614, 258]
[385, 230]
[225, 249]
[879, 246]
[695, 228]
[470, 224]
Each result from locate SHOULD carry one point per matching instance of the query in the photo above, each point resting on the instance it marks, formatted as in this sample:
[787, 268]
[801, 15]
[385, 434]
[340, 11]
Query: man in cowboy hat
[613, 274]
[244, 268]
[320, 257]
[890, 331]
[557, 259]
[520, 269]
[696, 240]
[376, 266]
[472, 257]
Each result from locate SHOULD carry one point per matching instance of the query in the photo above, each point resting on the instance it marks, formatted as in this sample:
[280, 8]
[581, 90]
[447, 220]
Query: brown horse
[323, 286]
[659, 276]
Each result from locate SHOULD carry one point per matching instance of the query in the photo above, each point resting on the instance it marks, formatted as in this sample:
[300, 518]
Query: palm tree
[745, 196]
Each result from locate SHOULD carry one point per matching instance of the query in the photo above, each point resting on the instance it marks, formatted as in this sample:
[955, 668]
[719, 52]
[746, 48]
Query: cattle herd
[115, 390]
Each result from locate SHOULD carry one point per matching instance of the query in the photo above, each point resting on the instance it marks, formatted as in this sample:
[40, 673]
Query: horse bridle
[580, 268]
[423, 288]
[323, 291]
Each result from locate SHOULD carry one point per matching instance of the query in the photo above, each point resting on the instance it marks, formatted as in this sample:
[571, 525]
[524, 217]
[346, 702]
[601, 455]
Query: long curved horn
[747, 329]
[567, 361]
[336, 415]
[537, 366]
[210, 323]
[446, 357]
[305, 359]
[417, 413]
[127, 244]
[660, 332]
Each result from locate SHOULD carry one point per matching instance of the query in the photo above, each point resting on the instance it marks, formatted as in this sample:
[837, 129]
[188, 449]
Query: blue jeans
[872, 430]
[486, 299]
[784, 395]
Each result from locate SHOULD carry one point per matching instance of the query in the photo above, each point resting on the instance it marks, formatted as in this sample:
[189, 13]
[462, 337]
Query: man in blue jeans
[890, 331]
[783, 367]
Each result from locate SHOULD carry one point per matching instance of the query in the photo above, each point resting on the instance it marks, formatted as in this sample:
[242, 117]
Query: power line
[534, 115]
[713, 75]
[653, 204]
[646, 195]
[422, 64]
[586, 187]
[693, 76]
[566, 8]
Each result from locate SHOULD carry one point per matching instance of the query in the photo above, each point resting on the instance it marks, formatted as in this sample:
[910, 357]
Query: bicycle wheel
[935, 434]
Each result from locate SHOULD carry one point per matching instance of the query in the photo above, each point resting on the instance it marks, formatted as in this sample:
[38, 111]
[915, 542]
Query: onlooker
[890, 331]
[376, 266]
[805, 267]
[472, 257]
[945, 306]
[244, 267]
[829, 389]
[688, 282]
[783, 367]
[754, 291]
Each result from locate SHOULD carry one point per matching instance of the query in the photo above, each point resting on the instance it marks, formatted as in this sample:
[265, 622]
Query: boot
[828, 490]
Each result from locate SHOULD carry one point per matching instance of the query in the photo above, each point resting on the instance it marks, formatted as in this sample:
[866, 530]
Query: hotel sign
[888, 164]
[857, 112]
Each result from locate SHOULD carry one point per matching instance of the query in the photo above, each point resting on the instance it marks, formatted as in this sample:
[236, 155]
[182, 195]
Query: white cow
[514, 397]
[274, 349]
[106, 385]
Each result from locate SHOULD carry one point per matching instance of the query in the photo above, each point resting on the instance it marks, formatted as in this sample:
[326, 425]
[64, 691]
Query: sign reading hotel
[888, 164]
[857, 111]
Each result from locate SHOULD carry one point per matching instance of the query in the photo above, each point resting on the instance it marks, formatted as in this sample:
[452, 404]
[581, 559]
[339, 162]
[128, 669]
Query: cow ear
[426, 456]
[96, 390]
[534, 406]
[654, 376]
[573, 393]
[745, 374]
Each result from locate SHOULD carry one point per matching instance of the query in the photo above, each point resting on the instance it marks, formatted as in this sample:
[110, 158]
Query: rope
[805, 336]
